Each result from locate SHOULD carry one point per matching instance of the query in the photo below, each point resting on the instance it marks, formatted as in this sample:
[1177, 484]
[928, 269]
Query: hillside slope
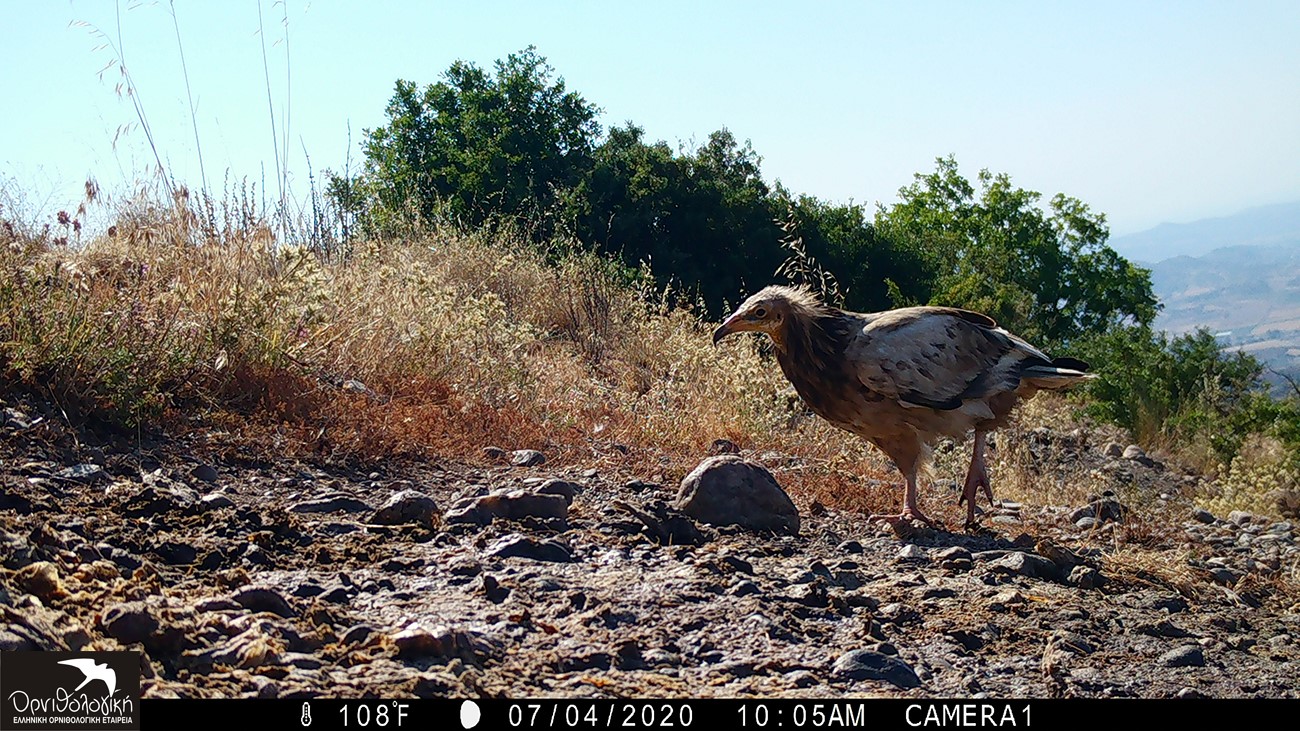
[1238, 276]
[281, 580]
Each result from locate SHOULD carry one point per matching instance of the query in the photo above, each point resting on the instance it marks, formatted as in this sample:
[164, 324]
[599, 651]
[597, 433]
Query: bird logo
[93, 671]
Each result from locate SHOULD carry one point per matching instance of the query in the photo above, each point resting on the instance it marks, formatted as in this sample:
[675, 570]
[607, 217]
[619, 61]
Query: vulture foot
[976, 478]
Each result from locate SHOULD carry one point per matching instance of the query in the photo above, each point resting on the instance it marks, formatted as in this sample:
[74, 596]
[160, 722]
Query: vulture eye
[760, 313]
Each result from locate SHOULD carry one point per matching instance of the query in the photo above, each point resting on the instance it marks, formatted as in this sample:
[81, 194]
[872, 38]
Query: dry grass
[440, 343]
[1166, 569]
[1261, 470]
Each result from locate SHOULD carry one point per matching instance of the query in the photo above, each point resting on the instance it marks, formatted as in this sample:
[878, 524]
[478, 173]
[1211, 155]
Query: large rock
[728, 490]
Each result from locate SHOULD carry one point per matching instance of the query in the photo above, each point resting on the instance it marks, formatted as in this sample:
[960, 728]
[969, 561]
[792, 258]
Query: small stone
[158, 498]
[494, 453]
[338, 595]
[1183, 657]
[869, 665]
[1287, 502]
[566, 490]
[1103, 509]
[520, 546]
[1225, 576]
[885, 648]
[129, 622]
[308, 589]
[176, 553]
[492, 589]
[87, 474]
[1024, 564]
[1113, 449]
[728, 490]
[850, 547]
[1006, 520]
[405, 507]
[934, 592]
[527, 458]
[513, 505]
[1240, 517]
[1073, 642]
[417, 641]
[1087, 522]
[1163, 628]
[723, 446]
[206, 473]
[331, 504]
[215, 501]
[1133, 451]
[954, 553]
[1201, 515]
[15, 419]
[800, 679]
[262, 599]
[1084, 577]
[357, 635]
[1005, 599]
[912, 552]
[41, 579]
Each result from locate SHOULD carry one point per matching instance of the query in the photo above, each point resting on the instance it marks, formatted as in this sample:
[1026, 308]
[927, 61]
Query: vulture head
[770, 311]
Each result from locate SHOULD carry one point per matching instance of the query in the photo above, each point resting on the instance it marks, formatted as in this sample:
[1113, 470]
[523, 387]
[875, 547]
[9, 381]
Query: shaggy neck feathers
[811, 338]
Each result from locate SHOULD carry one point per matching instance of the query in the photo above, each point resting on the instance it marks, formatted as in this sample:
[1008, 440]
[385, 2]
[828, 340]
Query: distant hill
[1240, 277]
[1263, 226]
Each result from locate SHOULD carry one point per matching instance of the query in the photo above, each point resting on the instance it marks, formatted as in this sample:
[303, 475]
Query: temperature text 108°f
[363, 715]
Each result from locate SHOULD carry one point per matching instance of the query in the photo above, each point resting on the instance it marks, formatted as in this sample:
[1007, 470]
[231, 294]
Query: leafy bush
[1185, 392]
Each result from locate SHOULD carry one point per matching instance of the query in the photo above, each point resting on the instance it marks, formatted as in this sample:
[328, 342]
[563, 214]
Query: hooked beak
[725, 329]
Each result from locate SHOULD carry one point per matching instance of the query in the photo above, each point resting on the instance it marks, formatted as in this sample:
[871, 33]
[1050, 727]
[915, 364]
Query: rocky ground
[521, 579]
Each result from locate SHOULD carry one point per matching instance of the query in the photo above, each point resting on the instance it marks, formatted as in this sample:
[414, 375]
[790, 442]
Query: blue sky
[1147, 111]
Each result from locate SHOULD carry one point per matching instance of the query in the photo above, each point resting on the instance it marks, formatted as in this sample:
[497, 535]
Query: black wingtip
[1073, 364]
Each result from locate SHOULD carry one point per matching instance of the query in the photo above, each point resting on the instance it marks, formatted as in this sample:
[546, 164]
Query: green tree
[1048, 274]
[873, 272]
[478, 145]
[703, 219]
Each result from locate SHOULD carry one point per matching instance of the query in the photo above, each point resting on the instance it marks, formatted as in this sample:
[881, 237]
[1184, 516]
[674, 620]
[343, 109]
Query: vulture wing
[936, 357]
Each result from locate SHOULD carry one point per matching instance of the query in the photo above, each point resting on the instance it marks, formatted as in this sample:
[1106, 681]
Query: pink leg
[976, 477]
[911, 510]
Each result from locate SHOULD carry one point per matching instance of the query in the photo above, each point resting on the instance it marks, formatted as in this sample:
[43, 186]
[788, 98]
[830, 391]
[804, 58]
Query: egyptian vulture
[903, 378]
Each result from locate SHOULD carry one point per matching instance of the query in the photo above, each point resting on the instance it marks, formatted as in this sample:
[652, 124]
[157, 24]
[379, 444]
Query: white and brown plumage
[903, 378]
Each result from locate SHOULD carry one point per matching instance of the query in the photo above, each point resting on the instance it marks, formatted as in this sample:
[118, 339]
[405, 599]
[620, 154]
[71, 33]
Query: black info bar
[870, 713]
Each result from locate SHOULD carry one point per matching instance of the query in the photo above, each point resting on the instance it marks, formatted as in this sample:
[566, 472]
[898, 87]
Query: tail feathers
[1073, 364]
